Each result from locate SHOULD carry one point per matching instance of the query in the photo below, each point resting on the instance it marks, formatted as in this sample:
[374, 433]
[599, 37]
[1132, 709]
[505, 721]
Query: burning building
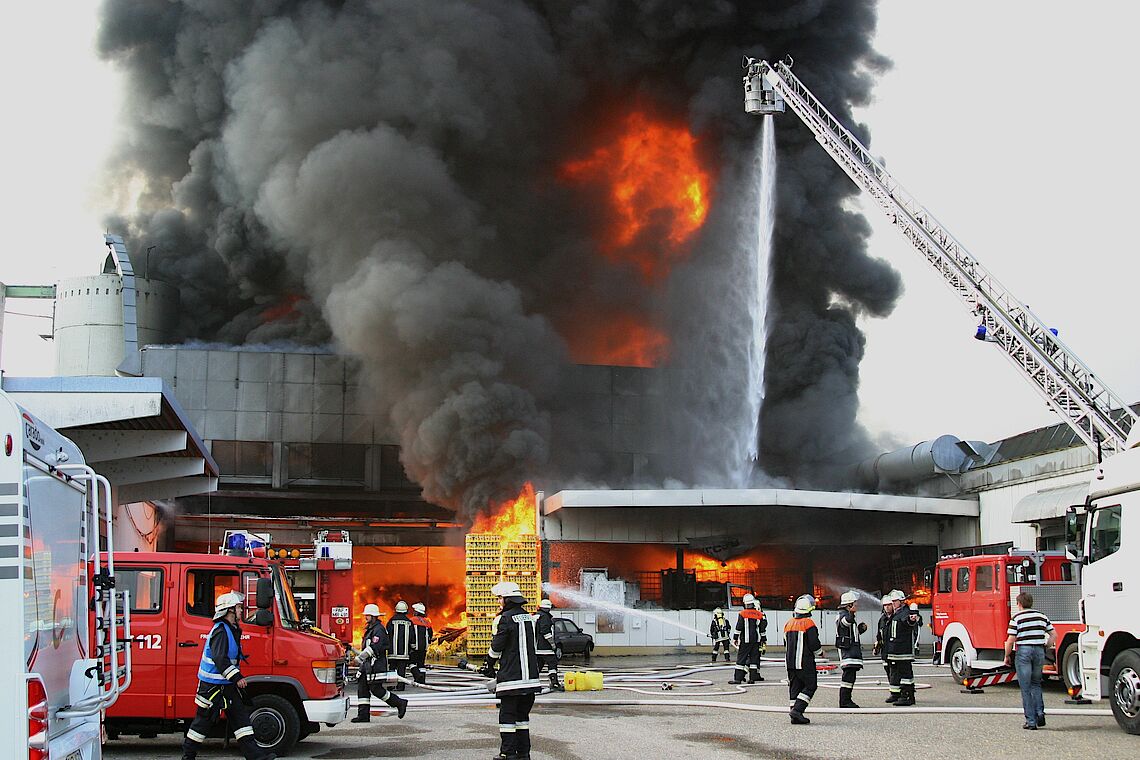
[428, 252]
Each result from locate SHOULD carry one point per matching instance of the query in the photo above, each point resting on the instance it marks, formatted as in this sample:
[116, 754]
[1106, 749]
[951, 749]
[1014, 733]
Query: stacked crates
[490, 559]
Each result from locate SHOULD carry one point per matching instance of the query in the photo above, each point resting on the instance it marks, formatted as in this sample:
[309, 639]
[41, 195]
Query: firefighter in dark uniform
[881, 638]
[401, 642]
[544, 647]
[720, 632]
[373, 661]
[423, 633]
[847, 632]
[219, 681]
[900, 650]
[750, 640]
[802, 646]
[517, 681]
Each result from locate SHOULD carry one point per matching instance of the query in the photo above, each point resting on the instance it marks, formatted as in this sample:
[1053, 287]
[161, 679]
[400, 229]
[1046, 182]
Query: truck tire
[959, 666]
[1124, 690]
[276, 724]
[1069, 667]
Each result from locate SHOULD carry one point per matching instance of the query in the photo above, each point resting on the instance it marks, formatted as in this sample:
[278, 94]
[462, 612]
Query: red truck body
[295, 676]
[322, 581]
[974, 599]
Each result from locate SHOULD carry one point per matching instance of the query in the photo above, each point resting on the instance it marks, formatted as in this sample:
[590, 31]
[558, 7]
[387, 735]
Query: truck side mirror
[1073, 549]
[265, 594]
[264, 618]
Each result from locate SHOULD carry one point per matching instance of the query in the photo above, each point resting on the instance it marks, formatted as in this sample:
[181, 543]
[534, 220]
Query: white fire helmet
[748, 600]
[545, 604]
[506, 588]
[371, 609]
[420, 608]
[804, 604]
[227, 602]
[401, 606]
[718, 612]
[898, 596]
[849, 597]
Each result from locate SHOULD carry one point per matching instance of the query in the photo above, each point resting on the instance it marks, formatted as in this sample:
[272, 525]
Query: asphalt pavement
[591, 726]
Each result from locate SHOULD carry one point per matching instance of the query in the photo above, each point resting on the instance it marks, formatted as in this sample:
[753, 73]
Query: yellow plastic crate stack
[484, 567]
[490, 560]
[520, 564]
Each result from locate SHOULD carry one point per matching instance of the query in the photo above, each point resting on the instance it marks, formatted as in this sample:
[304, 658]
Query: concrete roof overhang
[729, 498]
[131, 430]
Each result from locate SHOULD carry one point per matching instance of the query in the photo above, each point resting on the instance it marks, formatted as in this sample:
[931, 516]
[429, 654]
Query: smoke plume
[388, 176]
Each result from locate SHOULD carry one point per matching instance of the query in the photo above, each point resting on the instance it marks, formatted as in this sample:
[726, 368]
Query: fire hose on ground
[460, 688]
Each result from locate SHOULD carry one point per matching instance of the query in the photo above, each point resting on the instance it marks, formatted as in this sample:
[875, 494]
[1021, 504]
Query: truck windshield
[288, 605]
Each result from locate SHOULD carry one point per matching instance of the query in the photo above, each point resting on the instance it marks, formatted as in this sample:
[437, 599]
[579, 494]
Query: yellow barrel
[571, 681]
[593, 679]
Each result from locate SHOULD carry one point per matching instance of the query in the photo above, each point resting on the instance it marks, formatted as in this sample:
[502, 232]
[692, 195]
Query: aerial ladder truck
[1110, 644]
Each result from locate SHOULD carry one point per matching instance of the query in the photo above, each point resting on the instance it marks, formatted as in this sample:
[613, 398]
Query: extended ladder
[1068, 386]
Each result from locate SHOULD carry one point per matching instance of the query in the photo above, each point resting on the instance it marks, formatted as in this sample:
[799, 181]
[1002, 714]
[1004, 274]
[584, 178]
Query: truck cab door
[990, 611]
[151, 602]
[1109, 578]
[203, 585]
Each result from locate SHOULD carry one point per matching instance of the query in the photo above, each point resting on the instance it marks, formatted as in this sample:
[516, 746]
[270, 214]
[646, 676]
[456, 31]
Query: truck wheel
[959, 666]
[276, 725]
[1070, 666]
[1124, 680]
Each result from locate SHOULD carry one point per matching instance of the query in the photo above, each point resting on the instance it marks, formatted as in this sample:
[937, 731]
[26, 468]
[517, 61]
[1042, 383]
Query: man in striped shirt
[1031, 632]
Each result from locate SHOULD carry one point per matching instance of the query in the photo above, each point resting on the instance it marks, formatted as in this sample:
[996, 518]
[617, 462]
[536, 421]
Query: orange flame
[704, 564]
[618, 340]
[286, 308]
[432, 575]
[658, 192]
[511, 519]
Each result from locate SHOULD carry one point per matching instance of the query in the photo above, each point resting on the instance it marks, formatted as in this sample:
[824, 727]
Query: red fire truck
[974, 600]
[296, 675]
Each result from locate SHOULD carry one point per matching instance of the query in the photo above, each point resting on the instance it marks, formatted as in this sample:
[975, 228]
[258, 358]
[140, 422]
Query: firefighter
[422, 633]
[544, 645]
[900, 650]
[517, 681]
[919, 623]
[881, 639]
[220, 682]
[401, 642]
[847, 632]
[719, 632]
[802, 646]
[373, 661]
[749, 640]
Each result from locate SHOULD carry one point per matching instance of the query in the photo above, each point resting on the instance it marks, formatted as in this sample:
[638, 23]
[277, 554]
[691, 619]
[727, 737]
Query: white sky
[1010, 121]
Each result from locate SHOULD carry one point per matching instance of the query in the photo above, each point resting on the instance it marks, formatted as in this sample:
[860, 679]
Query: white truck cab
[1110, 585]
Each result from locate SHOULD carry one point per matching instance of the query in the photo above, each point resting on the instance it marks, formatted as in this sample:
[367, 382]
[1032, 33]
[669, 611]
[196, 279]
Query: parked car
[570, 639]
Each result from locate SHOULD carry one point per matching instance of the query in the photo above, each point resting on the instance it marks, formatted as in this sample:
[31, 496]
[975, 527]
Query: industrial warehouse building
[290, 440]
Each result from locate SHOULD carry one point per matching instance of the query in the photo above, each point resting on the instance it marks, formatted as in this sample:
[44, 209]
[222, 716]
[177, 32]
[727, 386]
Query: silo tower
[102, 320]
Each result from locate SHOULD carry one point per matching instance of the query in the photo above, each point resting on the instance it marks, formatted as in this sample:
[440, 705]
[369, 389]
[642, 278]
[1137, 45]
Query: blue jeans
[1028, 661]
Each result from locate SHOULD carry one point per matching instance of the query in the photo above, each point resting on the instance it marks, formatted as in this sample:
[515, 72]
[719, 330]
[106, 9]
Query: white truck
[1110, 644]
[66, 618]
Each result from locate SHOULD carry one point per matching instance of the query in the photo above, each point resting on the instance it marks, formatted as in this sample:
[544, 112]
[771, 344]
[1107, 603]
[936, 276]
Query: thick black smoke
[396, 162]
